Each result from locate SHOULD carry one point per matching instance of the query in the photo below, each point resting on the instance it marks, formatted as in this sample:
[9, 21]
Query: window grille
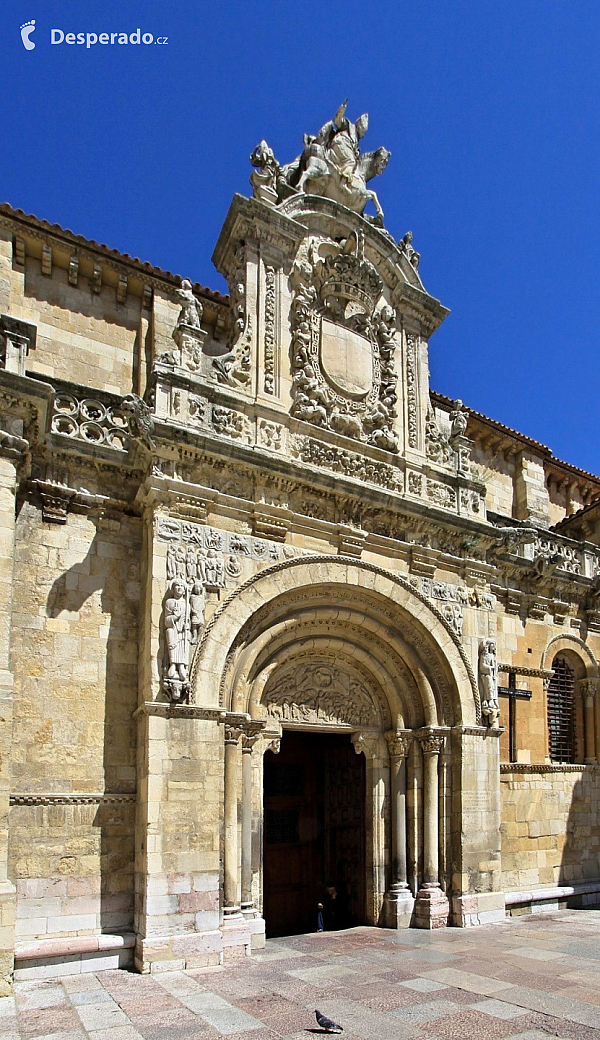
[561, 712]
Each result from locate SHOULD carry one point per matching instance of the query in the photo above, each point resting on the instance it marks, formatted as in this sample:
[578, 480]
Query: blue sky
[490, 111]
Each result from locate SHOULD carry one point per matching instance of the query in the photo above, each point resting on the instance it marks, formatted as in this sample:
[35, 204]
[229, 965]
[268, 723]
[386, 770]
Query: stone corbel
[271, 522]
[351, 541]
[367, 744]
[17, 338]
[56, 500]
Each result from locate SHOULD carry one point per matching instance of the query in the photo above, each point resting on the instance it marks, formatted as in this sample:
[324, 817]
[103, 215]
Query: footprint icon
[26, 31]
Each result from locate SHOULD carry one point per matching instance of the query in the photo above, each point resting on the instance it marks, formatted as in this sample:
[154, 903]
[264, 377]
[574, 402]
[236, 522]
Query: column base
[431, 907]
[178, 952]
[399, 906]
[236, 936]
[472, 909]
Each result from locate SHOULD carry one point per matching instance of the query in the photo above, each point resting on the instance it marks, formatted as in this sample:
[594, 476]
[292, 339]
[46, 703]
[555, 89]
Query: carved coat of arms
[343, 344]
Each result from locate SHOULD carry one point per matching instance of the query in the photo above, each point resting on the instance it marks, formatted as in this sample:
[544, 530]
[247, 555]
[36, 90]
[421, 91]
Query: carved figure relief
[319, 692]
[488, 681]
[343, 346]
[437, 445]
[177, 629]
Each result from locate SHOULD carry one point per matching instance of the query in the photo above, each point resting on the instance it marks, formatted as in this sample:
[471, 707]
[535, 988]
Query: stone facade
[224, 518]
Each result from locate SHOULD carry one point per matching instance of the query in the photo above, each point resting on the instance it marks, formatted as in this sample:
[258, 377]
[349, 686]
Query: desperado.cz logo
[90, 39]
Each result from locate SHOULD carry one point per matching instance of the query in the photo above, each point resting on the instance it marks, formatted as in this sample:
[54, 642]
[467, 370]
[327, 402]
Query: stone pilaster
[10, 456]
[589, 692]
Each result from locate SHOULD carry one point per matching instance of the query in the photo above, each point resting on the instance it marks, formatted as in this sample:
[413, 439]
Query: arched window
[561, 712]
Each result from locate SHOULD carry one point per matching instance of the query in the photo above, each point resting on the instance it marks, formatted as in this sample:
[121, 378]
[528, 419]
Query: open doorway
[314, 833]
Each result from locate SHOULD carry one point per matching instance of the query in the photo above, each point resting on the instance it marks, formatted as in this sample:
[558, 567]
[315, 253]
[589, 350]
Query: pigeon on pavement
[327, 1024]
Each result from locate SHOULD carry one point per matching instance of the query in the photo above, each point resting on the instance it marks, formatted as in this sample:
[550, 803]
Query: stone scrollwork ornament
[343, 344]
[488, 682]
[233, 367]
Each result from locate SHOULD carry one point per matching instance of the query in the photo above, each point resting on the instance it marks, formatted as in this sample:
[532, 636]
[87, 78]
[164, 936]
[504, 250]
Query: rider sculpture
[331, 165]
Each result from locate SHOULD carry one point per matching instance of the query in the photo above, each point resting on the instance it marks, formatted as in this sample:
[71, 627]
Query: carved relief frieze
[181, 532]
[440, 494]
[270, 339]
[343, 347]
[320, 692]
[411, 390]
[230, 423]
[270, 434]
[349, 463]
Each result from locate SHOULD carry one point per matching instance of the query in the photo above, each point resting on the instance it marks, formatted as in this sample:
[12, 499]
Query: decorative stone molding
[367, 744]
[517, 669]
[547, 767]
[270, 338]
[69, 798]
[232, 733]
[91, 421]
[348, 463]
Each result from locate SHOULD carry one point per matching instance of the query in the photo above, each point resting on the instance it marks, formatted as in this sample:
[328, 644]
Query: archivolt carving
[422, 647]
[320, 692]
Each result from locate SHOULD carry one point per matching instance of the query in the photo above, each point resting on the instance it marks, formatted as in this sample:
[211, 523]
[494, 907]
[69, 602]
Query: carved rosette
[343, 348]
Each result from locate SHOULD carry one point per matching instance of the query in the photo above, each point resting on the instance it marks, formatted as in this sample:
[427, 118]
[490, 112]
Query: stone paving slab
[521, 980]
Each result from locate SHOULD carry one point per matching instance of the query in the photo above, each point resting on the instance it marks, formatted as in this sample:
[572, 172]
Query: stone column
[230, 867]
[10, 456]
[250, 736]
[399, 902]
[588, 691]
[431, 906]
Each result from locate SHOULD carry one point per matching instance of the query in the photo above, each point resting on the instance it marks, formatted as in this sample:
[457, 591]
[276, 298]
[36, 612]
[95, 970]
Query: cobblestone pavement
[529, 978]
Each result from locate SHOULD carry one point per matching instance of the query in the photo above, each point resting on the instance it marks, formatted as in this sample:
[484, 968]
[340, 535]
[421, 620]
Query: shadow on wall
[107, 626]
[580, 861]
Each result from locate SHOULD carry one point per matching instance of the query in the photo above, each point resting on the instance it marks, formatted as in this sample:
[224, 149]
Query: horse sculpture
[331, 165]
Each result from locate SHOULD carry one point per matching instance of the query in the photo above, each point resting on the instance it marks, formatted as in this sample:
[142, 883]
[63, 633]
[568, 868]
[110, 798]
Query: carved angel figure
[191, 308]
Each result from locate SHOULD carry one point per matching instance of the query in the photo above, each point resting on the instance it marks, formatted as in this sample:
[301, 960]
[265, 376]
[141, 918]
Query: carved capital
[251, 731]
[431, 743]
[398, 743]
[233, 732]
[589, 687]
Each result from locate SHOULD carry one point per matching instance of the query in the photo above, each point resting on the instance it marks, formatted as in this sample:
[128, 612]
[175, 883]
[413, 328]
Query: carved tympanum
[319, 692]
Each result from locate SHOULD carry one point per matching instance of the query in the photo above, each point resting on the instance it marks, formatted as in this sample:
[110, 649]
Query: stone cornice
[548, 767]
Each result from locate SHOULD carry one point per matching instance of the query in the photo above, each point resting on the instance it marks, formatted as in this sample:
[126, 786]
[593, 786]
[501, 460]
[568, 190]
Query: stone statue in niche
[488, 681]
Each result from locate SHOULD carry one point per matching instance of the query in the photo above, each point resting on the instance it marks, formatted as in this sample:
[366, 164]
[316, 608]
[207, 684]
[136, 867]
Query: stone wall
[549, 825]
[74, 657]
